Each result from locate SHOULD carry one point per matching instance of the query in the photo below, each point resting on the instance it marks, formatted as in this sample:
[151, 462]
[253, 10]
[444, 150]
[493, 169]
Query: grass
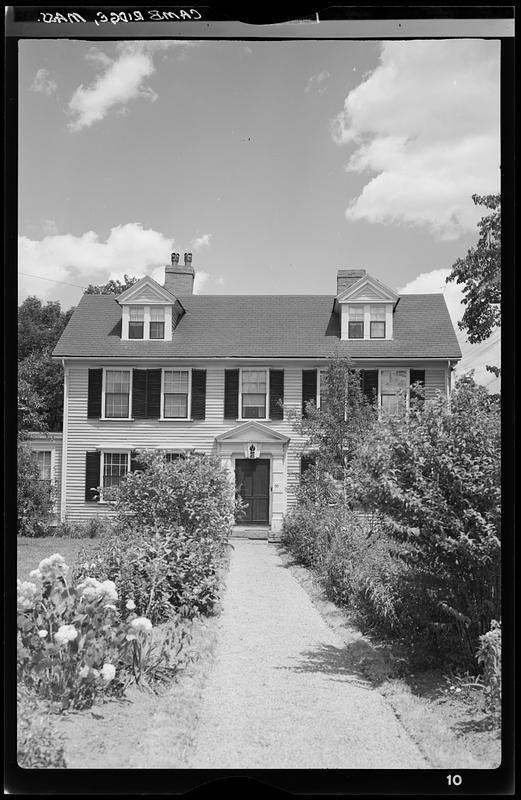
[31, 551]
[451, 730]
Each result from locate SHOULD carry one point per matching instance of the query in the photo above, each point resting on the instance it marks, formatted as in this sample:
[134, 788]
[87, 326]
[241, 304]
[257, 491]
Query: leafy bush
[75, 646]
[93, 528]
[34, 500]
[38, 746]
[489, 657]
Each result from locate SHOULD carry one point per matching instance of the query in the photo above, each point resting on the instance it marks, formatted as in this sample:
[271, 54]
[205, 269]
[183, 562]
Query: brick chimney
[346, 278]
[179, 279]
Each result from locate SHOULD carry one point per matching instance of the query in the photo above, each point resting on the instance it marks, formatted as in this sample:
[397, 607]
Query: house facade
[158, 367]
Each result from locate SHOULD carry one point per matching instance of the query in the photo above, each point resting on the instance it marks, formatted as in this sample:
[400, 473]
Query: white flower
[95, 672]
[53, 567]
[108, 590]
[130, 637]
[458, 690]
[89, 589]
[84, 671]
[36, 575]
[141, 624]
[65, 634]
[112, 608]
[130, 605]
[42, 634]
[108, 672]
[27, 595]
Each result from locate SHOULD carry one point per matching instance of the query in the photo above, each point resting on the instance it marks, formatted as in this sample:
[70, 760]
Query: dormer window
[356, 322]
[377, 322]
[136, 322]
[157, 322]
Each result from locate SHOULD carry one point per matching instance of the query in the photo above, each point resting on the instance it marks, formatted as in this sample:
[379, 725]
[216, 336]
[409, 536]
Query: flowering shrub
[74, 644]
[162, 571]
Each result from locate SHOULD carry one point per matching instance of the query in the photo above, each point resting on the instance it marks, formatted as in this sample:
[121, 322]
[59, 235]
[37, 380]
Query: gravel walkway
[280, 695]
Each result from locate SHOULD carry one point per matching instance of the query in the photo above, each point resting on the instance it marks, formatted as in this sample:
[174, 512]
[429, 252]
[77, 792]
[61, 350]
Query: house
[159, 367]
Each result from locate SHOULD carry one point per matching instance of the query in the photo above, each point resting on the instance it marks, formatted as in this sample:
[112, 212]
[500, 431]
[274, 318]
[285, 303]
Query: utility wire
[53, 280]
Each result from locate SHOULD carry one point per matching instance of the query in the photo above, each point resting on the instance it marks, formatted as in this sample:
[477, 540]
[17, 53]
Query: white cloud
[474, 356]
[200, 241]
[426, 121]
[43, 83]
[317, 82]
[121, 81]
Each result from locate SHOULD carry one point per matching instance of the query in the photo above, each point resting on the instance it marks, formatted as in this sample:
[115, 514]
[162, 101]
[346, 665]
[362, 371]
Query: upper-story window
[356, 322]
[157, 322]
[176, 392]
[377, 322]
[117, 393]
[136, 322]
[254, 387]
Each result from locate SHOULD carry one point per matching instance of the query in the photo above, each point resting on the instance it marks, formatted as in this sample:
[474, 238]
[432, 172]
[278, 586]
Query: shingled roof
[261, 326]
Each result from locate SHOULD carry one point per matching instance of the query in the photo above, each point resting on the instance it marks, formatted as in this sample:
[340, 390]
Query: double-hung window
[253, 393]
[115, 467]
[117, 393]
[136, 322]
[393, 390]
[377, 322]
[157, 322]
[176, 391]
[356, 322]
[44, 461]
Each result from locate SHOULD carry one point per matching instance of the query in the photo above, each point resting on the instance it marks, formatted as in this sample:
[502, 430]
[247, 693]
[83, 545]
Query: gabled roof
[147, 290]
[369, 289]
[261, 326]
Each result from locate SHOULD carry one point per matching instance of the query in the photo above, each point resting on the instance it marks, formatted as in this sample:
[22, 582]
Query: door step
[250, 533]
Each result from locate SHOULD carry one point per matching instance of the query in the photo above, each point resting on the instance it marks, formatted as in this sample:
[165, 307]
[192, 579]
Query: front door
[252, 479]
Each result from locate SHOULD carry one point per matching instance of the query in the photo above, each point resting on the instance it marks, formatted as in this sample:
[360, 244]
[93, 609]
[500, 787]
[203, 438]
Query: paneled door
[252, 479]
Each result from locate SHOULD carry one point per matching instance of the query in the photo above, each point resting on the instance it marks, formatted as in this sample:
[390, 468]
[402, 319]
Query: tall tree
[39, 326]
[480, 274]
[44, 402]
[112, 287]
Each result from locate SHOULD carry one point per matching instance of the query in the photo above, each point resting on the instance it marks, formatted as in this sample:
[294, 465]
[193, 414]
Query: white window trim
[167, 321]
[188, 417]
[103, 381]
[408, 394]
[367, 321]
[128, 451]
[266, 418]
[319, 385]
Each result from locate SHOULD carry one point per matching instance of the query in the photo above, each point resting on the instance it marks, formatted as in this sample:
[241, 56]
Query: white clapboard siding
[435, 381]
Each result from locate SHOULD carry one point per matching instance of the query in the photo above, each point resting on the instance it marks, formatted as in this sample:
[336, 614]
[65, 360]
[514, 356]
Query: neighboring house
[158, 367]
[48, 450]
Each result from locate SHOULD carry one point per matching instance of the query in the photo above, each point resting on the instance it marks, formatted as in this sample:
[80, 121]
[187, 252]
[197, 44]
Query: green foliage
[480, 274]
[34, 504]
[435, 477]
[38, 746]
[39, 326]
[489, 658]
[75, 646]
[193, 493]
[40, 388]
[112, 287]
[93, 528]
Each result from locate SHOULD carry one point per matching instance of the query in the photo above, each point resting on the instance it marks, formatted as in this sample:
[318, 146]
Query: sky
[275, 163]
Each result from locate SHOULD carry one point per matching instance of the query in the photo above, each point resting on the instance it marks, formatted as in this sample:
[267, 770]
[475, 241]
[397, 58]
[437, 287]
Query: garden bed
[30, 551]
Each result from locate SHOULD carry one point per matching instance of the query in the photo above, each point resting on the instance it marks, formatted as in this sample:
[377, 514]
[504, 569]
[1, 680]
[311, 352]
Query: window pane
[377, 330]
[393, 380]
[356, 313]
[157, 314]
[176, 405]
[115, 467]
[254, 381]
[393, 403]
[116, 405]
[43, 458]
[378, 313]
[135, 330]
[137, 313]
[117, 381]
[157, 330]
[176, 381]
[254, 406]
[356, 330]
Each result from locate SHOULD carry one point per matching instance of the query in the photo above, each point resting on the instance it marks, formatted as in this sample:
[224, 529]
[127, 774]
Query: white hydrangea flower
[108, 590]
[53, 567]
[84, 672]
[141, 624]
[27, 595]
[35, 574]
[42, 633]
[65, 634]
[108, 672]
[89, 589]
[130, 605]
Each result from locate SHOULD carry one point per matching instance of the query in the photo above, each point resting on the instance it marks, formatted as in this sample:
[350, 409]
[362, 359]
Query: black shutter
[153, 410]
[417, 375]
[370, 384]
[309, 388]
[92, 475]
[276, 393]
[139, 394]
[94, 396]
[135, 464]
[231, 393]
[198, 393]
[307, 461]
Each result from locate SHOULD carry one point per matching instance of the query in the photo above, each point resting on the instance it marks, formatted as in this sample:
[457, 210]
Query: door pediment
[252, 431]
